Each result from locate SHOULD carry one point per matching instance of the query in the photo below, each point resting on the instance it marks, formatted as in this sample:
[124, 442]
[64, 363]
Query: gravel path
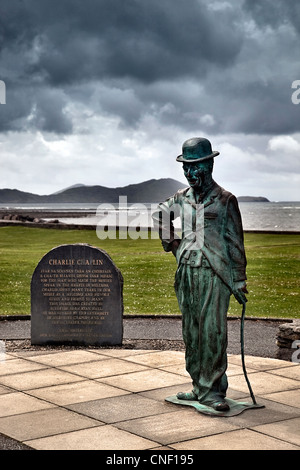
[161, 333]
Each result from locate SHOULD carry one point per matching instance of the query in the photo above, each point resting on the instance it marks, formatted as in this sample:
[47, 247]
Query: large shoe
[218, 405]
[189, 396]
[221, 406]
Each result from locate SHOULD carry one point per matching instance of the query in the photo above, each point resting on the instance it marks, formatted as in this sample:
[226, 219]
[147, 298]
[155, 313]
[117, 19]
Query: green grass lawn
[148, 272]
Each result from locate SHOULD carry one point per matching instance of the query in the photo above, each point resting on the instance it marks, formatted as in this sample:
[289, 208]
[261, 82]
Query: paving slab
[38, 378]
[105, 368]
[14, 366]
[100, 438]
[77, 392]
[176, 425]
[121, 408]
[288, 397]
[65, 358]
[16, 403]
[271, 413]
[242, 439]
[287, 430]
[158, 359]
[260, 363]
[263, 383]
[44, 423]
[5, 390]
[148, 379]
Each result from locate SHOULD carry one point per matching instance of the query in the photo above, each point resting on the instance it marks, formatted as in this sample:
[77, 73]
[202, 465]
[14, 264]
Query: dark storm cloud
[49, 114]
[274, 13]
[188, 63]
[112, 38]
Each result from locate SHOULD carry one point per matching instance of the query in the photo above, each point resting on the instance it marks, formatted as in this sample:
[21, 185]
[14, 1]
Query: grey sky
[106, 91]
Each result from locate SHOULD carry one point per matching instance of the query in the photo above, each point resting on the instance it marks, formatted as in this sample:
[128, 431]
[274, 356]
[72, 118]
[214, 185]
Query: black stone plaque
[77, 298]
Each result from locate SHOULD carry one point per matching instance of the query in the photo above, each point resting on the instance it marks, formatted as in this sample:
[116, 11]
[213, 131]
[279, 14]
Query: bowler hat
[195, 150]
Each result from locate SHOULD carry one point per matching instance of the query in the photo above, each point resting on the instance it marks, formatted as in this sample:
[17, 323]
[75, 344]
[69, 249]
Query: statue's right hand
[175, 245]
[239, 291]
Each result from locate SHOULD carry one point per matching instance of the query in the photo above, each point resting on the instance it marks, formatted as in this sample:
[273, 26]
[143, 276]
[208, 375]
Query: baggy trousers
[203, 299]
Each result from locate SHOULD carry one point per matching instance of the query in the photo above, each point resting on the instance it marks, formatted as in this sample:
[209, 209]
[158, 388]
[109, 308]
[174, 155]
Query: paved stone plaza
[114, 399]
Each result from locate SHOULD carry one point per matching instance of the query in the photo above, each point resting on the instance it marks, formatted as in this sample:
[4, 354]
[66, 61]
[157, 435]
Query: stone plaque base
[236, 407]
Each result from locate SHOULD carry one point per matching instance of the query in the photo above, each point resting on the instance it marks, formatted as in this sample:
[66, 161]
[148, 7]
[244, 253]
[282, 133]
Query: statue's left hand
[239, 291]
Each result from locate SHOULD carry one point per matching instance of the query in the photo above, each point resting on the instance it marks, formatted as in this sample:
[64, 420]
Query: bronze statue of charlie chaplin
[211, 263]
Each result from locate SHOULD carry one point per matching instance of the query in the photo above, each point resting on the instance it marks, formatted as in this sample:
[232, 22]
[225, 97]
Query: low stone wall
[288, 341]
[25, 218]
[32, 220]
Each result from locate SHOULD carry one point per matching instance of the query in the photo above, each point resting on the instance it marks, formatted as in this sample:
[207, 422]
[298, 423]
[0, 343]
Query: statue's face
[197, 173]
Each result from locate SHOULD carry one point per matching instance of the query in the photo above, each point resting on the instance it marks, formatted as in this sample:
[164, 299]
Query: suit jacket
[211, 232]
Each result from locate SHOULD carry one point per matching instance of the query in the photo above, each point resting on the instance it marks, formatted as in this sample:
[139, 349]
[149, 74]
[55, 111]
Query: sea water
[268, 216]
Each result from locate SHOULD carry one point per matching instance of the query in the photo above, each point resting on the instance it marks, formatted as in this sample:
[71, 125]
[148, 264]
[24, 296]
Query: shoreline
[41, 218]
[65, 226]
[47, 214]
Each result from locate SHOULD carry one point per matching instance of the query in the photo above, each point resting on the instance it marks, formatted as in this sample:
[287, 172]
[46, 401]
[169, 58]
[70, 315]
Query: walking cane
[243, 354]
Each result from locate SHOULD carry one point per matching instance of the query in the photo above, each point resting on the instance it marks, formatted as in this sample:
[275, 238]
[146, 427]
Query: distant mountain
[148, 191]
[15, 196]
[70, 187]
[252, 199]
